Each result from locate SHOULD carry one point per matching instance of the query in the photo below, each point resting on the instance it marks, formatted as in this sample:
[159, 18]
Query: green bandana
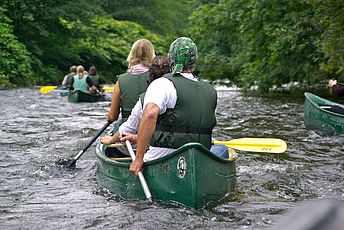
[183, 55]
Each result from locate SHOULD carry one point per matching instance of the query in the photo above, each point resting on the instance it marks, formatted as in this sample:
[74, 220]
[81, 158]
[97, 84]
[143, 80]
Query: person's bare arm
[115, 103]
[64, 82]
[145, 132]
[331, 83]
[110, 139]
[128, 136]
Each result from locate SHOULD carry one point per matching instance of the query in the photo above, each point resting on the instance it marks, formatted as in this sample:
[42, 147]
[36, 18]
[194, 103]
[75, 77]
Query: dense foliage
[269, 43]
[252, 43]
[14, 58]
[53, 35]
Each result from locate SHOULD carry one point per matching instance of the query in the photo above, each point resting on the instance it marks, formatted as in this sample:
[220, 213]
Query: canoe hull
[79, 96]
[191, 176]
[321, 120]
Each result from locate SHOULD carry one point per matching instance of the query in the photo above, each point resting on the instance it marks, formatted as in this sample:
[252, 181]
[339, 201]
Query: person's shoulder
[160, 83]
[123, 76]
[162, 80]
[168, 75]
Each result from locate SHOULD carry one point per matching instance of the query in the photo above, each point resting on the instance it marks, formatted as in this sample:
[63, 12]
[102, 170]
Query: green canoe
[79, 96]
[191, 176]
[323, 116]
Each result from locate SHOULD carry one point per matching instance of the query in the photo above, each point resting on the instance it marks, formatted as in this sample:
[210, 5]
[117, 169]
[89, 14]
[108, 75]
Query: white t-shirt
[131, 125]
[162, 93]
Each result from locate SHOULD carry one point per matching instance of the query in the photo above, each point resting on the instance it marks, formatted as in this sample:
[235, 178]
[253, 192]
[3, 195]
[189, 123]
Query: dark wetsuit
[338, 90]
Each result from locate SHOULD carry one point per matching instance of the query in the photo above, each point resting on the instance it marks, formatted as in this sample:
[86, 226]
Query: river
[36, 194]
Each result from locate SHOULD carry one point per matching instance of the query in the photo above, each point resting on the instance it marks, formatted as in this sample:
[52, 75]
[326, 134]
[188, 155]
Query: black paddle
[71, 162]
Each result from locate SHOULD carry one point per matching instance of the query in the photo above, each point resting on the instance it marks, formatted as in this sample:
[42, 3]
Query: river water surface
[36, 194]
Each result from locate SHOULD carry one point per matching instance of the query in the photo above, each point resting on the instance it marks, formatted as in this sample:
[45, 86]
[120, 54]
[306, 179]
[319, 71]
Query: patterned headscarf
[183, 55]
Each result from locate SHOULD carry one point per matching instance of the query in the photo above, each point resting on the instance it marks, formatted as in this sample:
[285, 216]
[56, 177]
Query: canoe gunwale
[78, 96]
[329, 121]
[326, 102]
[191, 176]
[100, 150]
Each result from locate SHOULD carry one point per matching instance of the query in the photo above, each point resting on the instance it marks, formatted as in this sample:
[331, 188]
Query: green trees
[167, 17]
[106, 44]
[269, 43]
[15, 60]
[252, 43]
[330, 17]
[58, 34]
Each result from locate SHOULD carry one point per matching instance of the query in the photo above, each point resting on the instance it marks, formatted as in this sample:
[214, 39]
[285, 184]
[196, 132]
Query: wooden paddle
[140, 175]
[259, 145]
[71, 162]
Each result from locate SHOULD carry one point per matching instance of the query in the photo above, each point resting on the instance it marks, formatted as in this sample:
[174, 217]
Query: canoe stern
[321, 120]
[192, 176]
[79, 96]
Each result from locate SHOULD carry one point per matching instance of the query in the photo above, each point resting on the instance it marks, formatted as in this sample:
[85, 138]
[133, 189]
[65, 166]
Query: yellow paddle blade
[47, 89]
[107, 88]
[259, 145]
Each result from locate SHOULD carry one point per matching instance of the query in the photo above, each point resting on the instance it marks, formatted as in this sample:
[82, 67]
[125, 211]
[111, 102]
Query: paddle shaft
[140, 174]
[60, 91]
[77, 156]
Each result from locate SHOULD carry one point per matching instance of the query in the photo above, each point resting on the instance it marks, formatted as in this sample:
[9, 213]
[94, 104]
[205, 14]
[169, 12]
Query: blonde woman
[81, 81]
[132, 83]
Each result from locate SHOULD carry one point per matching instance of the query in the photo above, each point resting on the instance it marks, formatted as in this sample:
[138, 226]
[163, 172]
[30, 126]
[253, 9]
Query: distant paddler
[337, 88]
[67, 80]
[82, 82]
[96, 79]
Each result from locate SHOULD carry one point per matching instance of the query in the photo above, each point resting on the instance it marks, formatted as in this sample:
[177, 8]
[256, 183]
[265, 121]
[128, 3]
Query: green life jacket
[131, 86]
[70, 76]
[142, 99]
[80, 83]
[95, 80]
[193, 117]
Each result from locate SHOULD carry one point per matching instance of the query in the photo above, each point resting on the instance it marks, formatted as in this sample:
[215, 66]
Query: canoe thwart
[116, 145]
[120, 158]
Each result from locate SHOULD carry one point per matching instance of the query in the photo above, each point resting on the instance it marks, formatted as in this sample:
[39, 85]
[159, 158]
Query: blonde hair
[80, 70]
[142, 52]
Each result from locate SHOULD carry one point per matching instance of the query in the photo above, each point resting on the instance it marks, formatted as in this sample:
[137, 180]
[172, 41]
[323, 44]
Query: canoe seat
[333, 108]
[120, 158]
[115, 145]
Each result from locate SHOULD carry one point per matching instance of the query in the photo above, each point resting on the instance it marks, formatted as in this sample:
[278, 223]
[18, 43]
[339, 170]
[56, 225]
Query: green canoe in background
[79, 96]
[323, 116]
[191, 176]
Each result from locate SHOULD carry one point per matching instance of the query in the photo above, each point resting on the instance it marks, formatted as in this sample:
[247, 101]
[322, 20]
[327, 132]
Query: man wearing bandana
[178, 108]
